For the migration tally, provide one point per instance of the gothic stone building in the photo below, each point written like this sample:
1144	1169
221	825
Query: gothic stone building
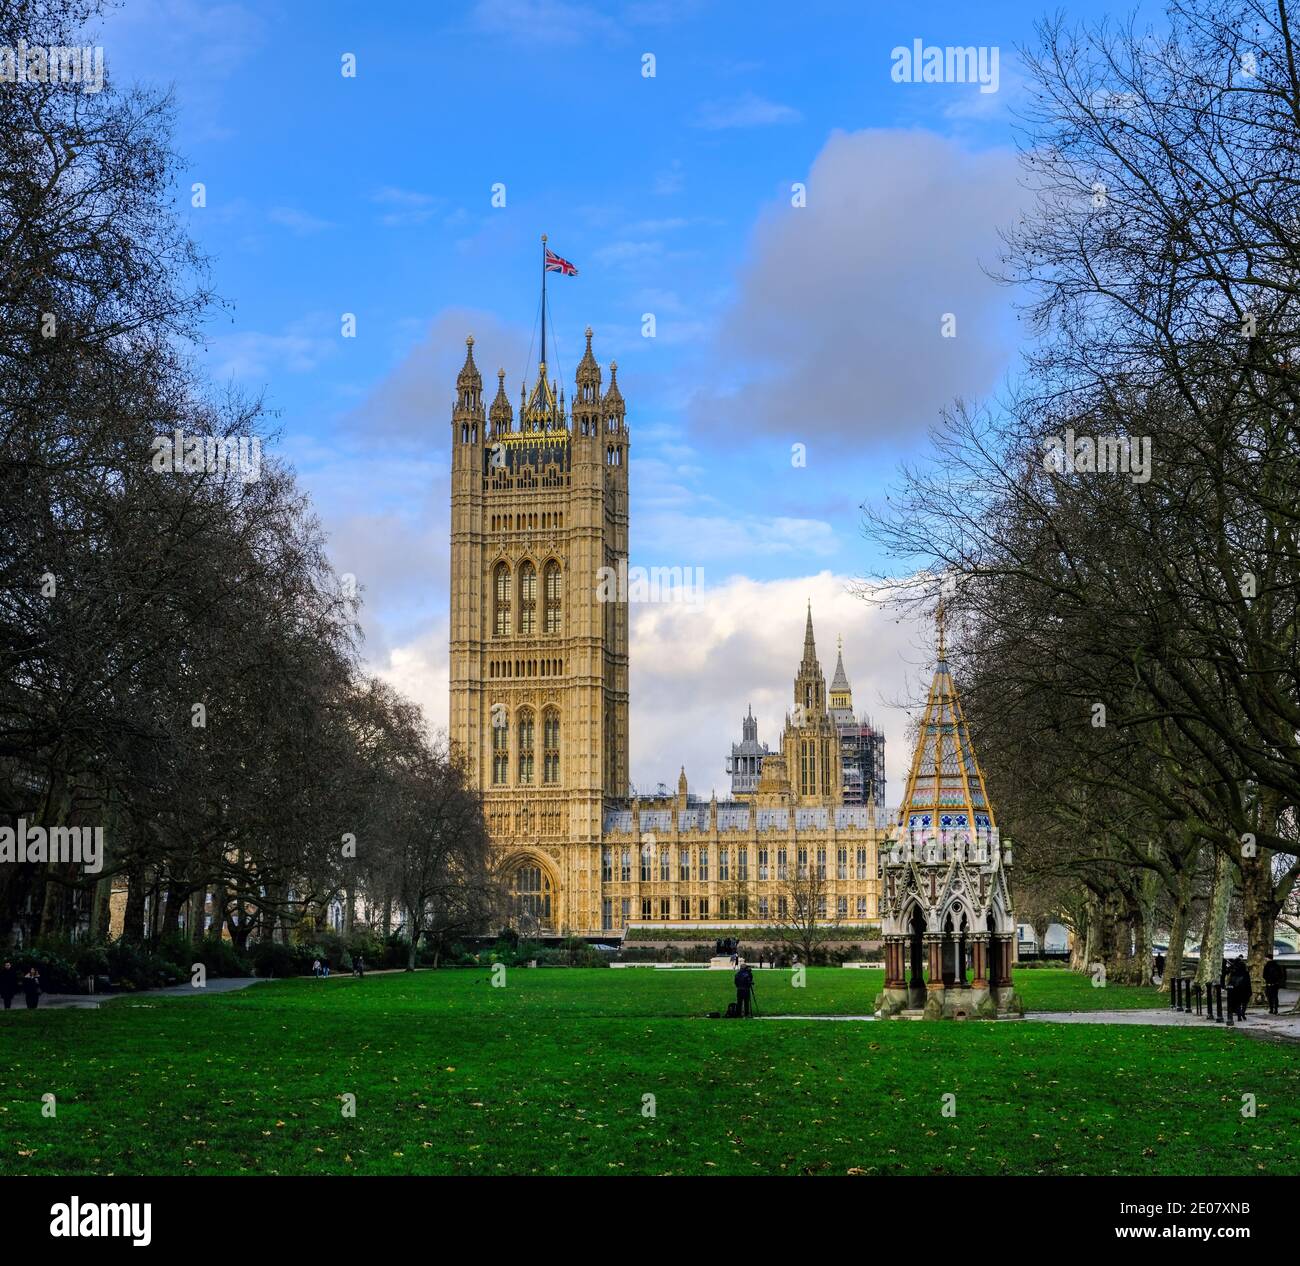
947	919
539	694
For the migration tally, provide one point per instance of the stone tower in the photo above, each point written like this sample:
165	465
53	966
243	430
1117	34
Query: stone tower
746	760
810	743
538	662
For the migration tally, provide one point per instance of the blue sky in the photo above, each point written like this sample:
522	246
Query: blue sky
775	324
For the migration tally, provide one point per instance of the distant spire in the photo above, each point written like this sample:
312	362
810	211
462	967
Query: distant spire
501	414
809	645
840	682
939	620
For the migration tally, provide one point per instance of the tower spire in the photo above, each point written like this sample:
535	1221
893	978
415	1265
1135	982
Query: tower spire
809	645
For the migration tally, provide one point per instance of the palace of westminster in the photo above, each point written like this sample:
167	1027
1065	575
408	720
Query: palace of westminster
539	698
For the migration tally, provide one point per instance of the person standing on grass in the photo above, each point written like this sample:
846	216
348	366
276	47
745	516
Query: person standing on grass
8	984
1274	977
359	965
32	988
315	968
744	981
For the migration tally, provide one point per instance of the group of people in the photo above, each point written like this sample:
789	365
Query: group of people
11	983
1236	977
322	968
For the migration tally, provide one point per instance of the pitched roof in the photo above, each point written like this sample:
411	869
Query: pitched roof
946	786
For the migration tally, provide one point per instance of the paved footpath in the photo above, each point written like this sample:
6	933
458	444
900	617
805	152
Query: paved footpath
89	1001
1258	1023
218	984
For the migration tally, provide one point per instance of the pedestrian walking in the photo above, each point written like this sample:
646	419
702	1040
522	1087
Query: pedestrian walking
8	984
1274	979
1239	987
32	988
315	968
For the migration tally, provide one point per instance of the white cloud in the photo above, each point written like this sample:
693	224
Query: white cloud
253	357
696	668
542	21
420	671
300	222
747	110
406	206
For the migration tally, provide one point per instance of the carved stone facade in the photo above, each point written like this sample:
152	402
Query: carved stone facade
539	694
946	906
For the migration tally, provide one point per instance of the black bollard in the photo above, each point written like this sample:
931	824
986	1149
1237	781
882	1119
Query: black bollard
1196	996
1173	993
1218	993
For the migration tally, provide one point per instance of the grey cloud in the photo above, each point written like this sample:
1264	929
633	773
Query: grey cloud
835	327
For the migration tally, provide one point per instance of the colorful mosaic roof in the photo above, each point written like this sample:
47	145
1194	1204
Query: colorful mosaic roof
946	786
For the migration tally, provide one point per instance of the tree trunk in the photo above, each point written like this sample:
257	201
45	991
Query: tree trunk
1259	913
1178	928
170	923
101	910
219	903
133	917
1216	919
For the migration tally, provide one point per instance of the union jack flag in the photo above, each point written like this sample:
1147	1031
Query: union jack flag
554	264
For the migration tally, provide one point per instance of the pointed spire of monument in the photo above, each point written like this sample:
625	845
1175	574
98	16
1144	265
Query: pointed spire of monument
945	789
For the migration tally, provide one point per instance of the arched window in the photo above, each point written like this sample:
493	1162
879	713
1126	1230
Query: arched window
501	600
551	747
552	586
531	891
525	747
527	600
500	752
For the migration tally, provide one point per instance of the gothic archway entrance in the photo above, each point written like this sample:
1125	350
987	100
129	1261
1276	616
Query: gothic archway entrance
531	897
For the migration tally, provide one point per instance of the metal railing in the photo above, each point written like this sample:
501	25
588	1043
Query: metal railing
1191	998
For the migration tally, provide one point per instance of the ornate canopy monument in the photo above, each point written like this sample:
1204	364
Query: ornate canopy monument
945	904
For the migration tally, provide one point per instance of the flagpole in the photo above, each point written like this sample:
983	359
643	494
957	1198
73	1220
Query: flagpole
542	369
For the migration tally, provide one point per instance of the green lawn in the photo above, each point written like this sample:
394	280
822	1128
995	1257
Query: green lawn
550	1075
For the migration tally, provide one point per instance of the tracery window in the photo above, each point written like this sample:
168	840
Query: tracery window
527	600
551	748
501	600
526	737
500	754
551	585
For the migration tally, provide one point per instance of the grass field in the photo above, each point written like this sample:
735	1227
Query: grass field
550	1075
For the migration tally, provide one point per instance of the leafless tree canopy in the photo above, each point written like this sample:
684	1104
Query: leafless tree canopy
180	660
1127	624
